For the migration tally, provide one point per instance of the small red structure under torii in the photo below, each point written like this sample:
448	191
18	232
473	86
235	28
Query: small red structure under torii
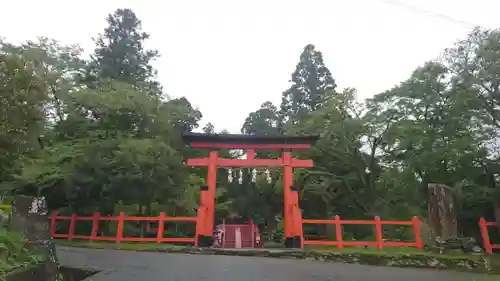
249	143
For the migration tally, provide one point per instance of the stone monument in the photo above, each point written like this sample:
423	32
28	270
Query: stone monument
30	217
442	211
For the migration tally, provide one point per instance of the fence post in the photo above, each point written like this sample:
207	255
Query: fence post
72	224
378	233
161	227
485	235
418	234
119	227
53	218
95	225
338	233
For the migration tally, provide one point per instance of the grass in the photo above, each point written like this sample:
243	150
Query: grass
486	278
495	264
398	251
391	251
144	246
14	252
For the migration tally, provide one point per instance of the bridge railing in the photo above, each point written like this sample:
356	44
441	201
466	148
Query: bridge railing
483	226
378	223
119	236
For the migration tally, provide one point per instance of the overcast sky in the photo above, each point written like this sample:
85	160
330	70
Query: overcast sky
240	53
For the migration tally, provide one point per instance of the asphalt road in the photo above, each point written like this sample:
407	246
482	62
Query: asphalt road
137	266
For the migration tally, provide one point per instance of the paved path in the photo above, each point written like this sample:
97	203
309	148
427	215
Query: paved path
137	266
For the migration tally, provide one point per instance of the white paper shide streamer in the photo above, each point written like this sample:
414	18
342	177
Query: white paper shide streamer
230	175
240	179
268	176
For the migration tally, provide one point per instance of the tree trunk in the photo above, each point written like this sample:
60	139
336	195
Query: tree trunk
105	210
176	225
496	211
142	224
330	229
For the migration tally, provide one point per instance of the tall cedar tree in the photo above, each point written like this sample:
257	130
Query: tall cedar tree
120	52
312	82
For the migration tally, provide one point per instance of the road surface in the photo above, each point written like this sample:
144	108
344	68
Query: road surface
142	266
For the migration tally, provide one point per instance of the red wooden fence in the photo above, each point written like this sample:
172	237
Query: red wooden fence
379	244
483	226
161	219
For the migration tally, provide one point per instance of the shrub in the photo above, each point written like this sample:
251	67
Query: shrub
15	252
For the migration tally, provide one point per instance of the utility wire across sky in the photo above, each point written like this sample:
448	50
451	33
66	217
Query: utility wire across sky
430	13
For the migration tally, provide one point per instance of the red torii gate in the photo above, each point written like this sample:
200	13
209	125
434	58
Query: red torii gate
249	143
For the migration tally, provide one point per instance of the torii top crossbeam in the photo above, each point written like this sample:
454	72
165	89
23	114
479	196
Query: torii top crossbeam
250	143
238	141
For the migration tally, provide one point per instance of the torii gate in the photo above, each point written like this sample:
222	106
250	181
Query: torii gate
249	143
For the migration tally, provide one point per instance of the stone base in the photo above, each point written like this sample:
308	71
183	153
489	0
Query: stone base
204	241
293	242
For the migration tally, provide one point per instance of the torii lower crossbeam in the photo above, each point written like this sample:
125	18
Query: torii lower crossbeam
250	163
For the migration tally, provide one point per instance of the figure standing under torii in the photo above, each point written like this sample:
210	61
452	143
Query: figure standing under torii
249	143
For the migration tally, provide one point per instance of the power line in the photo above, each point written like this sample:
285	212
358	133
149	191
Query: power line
430	13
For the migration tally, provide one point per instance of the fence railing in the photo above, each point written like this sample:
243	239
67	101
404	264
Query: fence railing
379	243
121	219
483	226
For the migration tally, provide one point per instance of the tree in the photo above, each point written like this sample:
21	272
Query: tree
61	67
339	179
311	83
109	143
22	116
474	64
120	53
209	128
184	117
264	121
114	146
146	171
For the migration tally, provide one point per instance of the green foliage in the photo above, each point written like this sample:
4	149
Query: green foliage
22	97
264	121
14	252
96	135
6	208
182	115
60	66
104	140
438	126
